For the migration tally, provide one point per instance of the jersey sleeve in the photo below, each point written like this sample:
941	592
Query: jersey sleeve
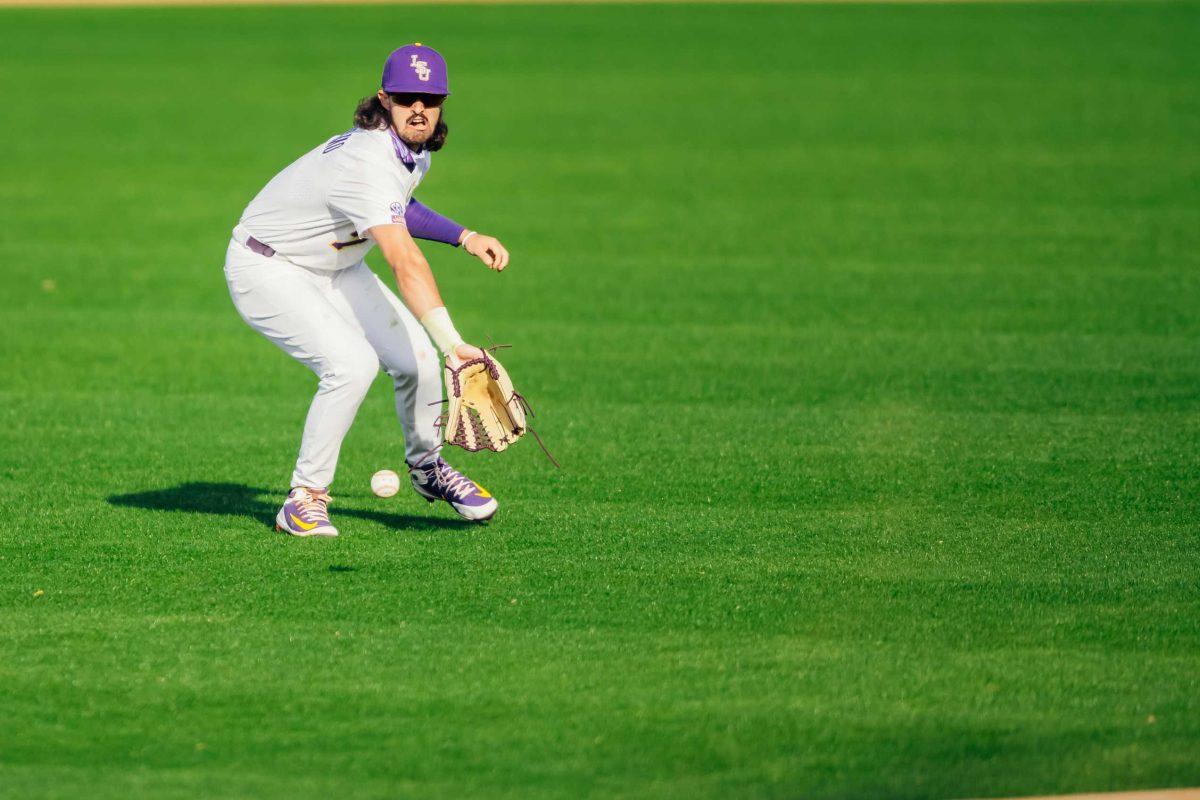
368	193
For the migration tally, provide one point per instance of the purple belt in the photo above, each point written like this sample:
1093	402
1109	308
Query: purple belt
259	247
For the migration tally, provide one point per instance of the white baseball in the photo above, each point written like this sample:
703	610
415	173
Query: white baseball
385	483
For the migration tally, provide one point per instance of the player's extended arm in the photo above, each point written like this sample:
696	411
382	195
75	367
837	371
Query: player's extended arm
414	278
425	223
419	290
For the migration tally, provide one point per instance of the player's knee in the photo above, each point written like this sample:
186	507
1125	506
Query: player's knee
355	370
363	368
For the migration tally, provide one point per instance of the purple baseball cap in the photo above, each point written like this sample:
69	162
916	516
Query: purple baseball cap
416	68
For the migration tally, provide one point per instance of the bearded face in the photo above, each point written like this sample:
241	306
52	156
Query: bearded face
414	116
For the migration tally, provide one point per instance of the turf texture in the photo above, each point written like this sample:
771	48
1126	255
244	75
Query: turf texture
867	336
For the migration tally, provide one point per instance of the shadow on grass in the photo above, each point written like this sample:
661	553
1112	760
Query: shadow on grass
237	499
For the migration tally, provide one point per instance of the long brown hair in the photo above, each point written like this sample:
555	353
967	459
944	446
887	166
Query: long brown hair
372	116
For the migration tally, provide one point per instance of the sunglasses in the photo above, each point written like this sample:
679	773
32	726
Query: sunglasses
409	99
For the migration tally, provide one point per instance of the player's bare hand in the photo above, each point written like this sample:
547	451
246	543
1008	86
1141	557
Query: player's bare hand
488	250
463	353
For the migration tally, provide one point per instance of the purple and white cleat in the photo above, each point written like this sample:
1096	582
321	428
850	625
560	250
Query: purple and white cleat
437	480
305	513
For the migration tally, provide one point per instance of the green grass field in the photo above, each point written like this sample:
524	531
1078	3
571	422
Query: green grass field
868	337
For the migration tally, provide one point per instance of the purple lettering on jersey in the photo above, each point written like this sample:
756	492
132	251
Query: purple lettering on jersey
336	142
356	239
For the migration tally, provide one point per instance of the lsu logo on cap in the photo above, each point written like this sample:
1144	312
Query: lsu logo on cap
420	67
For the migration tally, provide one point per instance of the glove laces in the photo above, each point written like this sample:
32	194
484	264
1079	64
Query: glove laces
517	398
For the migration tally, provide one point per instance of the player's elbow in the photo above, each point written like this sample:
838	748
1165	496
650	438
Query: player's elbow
407	267
400	251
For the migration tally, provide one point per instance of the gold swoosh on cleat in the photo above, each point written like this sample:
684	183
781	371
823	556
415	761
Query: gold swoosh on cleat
482	491
301	524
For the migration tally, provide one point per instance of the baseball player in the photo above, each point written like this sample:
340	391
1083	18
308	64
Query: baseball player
296	272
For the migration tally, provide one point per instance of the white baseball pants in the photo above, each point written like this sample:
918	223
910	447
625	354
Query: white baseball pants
343	326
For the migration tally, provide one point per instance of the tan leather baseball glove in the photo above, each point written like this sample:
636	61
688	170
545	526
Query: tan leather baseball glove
486	412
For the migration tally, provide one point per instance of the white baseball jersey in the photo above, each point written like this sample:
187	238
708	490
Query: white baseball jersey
316	212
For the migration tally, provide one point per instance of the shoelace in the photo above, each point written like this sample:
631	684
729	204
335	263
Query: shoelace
313	506
451	480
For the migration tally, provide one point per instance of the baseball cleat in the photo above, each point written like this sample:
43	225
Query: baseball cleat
305	513
437	480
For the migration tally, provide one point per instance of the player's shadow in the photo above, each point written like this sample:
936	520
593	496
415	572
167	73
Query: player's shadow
237	499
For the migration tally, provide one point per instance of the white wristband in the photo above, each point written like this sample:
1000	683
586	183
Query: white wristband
463	243
441	330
